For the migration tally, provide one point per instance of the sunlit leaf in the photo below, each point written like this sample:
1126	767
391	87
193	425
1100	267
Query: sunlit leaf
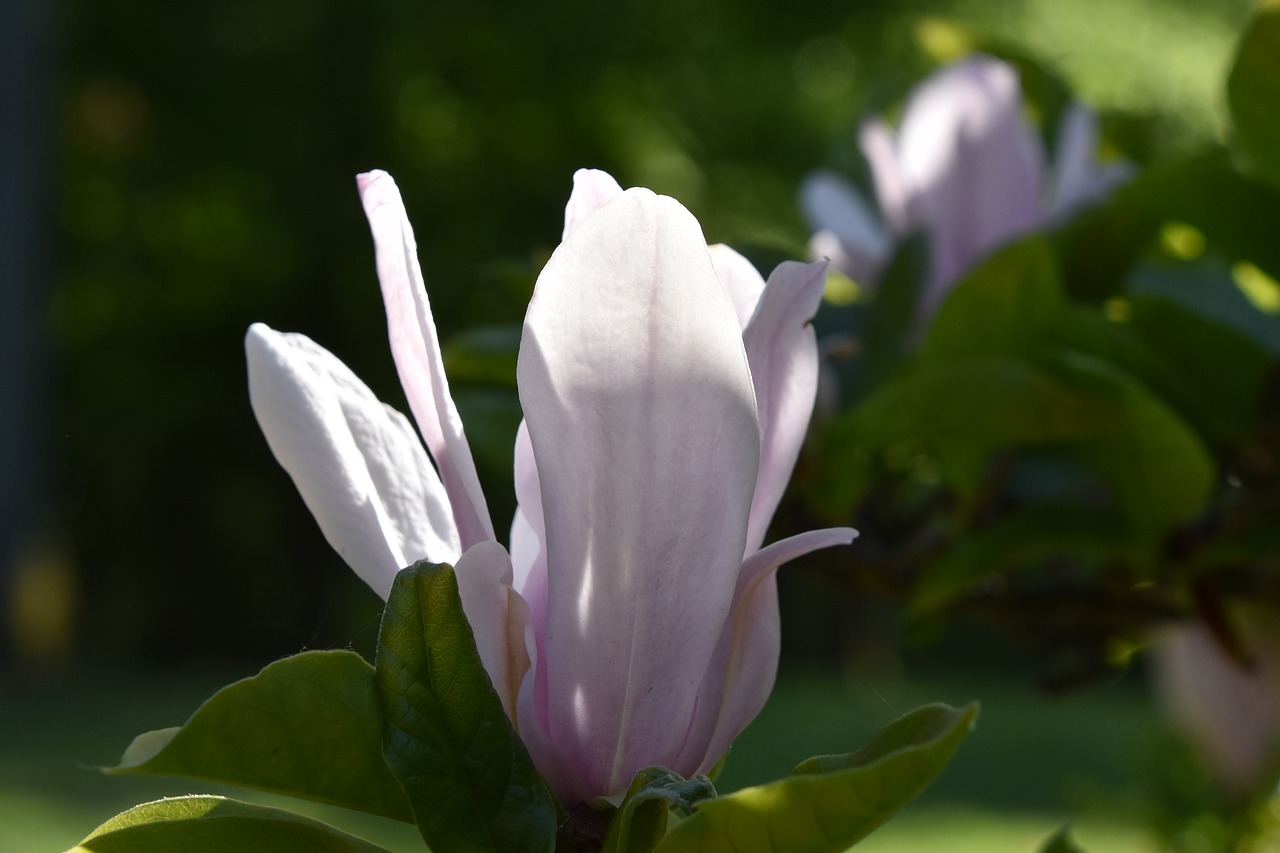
1234	213
468	778
830	802
205	824
1061	842
308	726
1253	90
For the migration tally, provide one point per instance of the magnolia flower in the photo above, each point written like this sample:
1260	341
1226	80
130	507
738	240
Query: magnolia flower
966	168
666	389
1229	713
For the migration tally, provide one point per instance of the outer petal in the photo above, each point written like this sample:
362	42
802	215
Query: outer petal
591	189
1079	179
742	672
836	209
499	618
641	413
359	466
740	280
783	353
416	349
973	164
893	195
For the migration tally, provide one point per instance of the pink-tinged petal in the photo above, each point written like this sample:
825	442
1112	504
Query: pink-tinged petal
745	664
893	196
972	163
1229	714
528	554
783	353
357	463
835	208
640	409
499	618
1079	179
740	280
591	189
416	349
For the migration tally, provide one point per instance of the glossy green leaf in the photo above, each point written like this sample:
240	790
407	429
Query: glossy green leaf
308	726
831	802
205	824
1020	540
1007	304
469	779
1156	466
989	402
641	821
1253	90
1213	340
1061	842
889	324
1234	213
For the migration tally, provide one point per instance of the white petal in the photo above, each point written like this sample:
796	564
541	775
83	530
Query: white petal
640	409
783	353
879	146
973	166
742	672
833	205
357	463
591	188
498	616
1079	179
740	280
416	349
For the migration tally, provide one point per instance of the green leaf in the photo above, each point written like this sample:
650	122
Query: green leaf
830	802
1155	464
1235	214
1214	341
890	320
990	402
205	824
1017	541
1253	90
307	726
1061	842
641	820
469	779
485	354
1005	305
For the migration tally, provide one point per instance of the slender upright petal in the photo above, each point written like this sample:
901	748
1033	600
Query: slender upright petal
499	618
782	350
1079	178
357	463
642	418
416	349
848	233
745	664
740	280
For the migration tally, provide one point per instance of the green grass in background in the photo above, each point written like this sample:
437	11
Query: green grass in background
1032	764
